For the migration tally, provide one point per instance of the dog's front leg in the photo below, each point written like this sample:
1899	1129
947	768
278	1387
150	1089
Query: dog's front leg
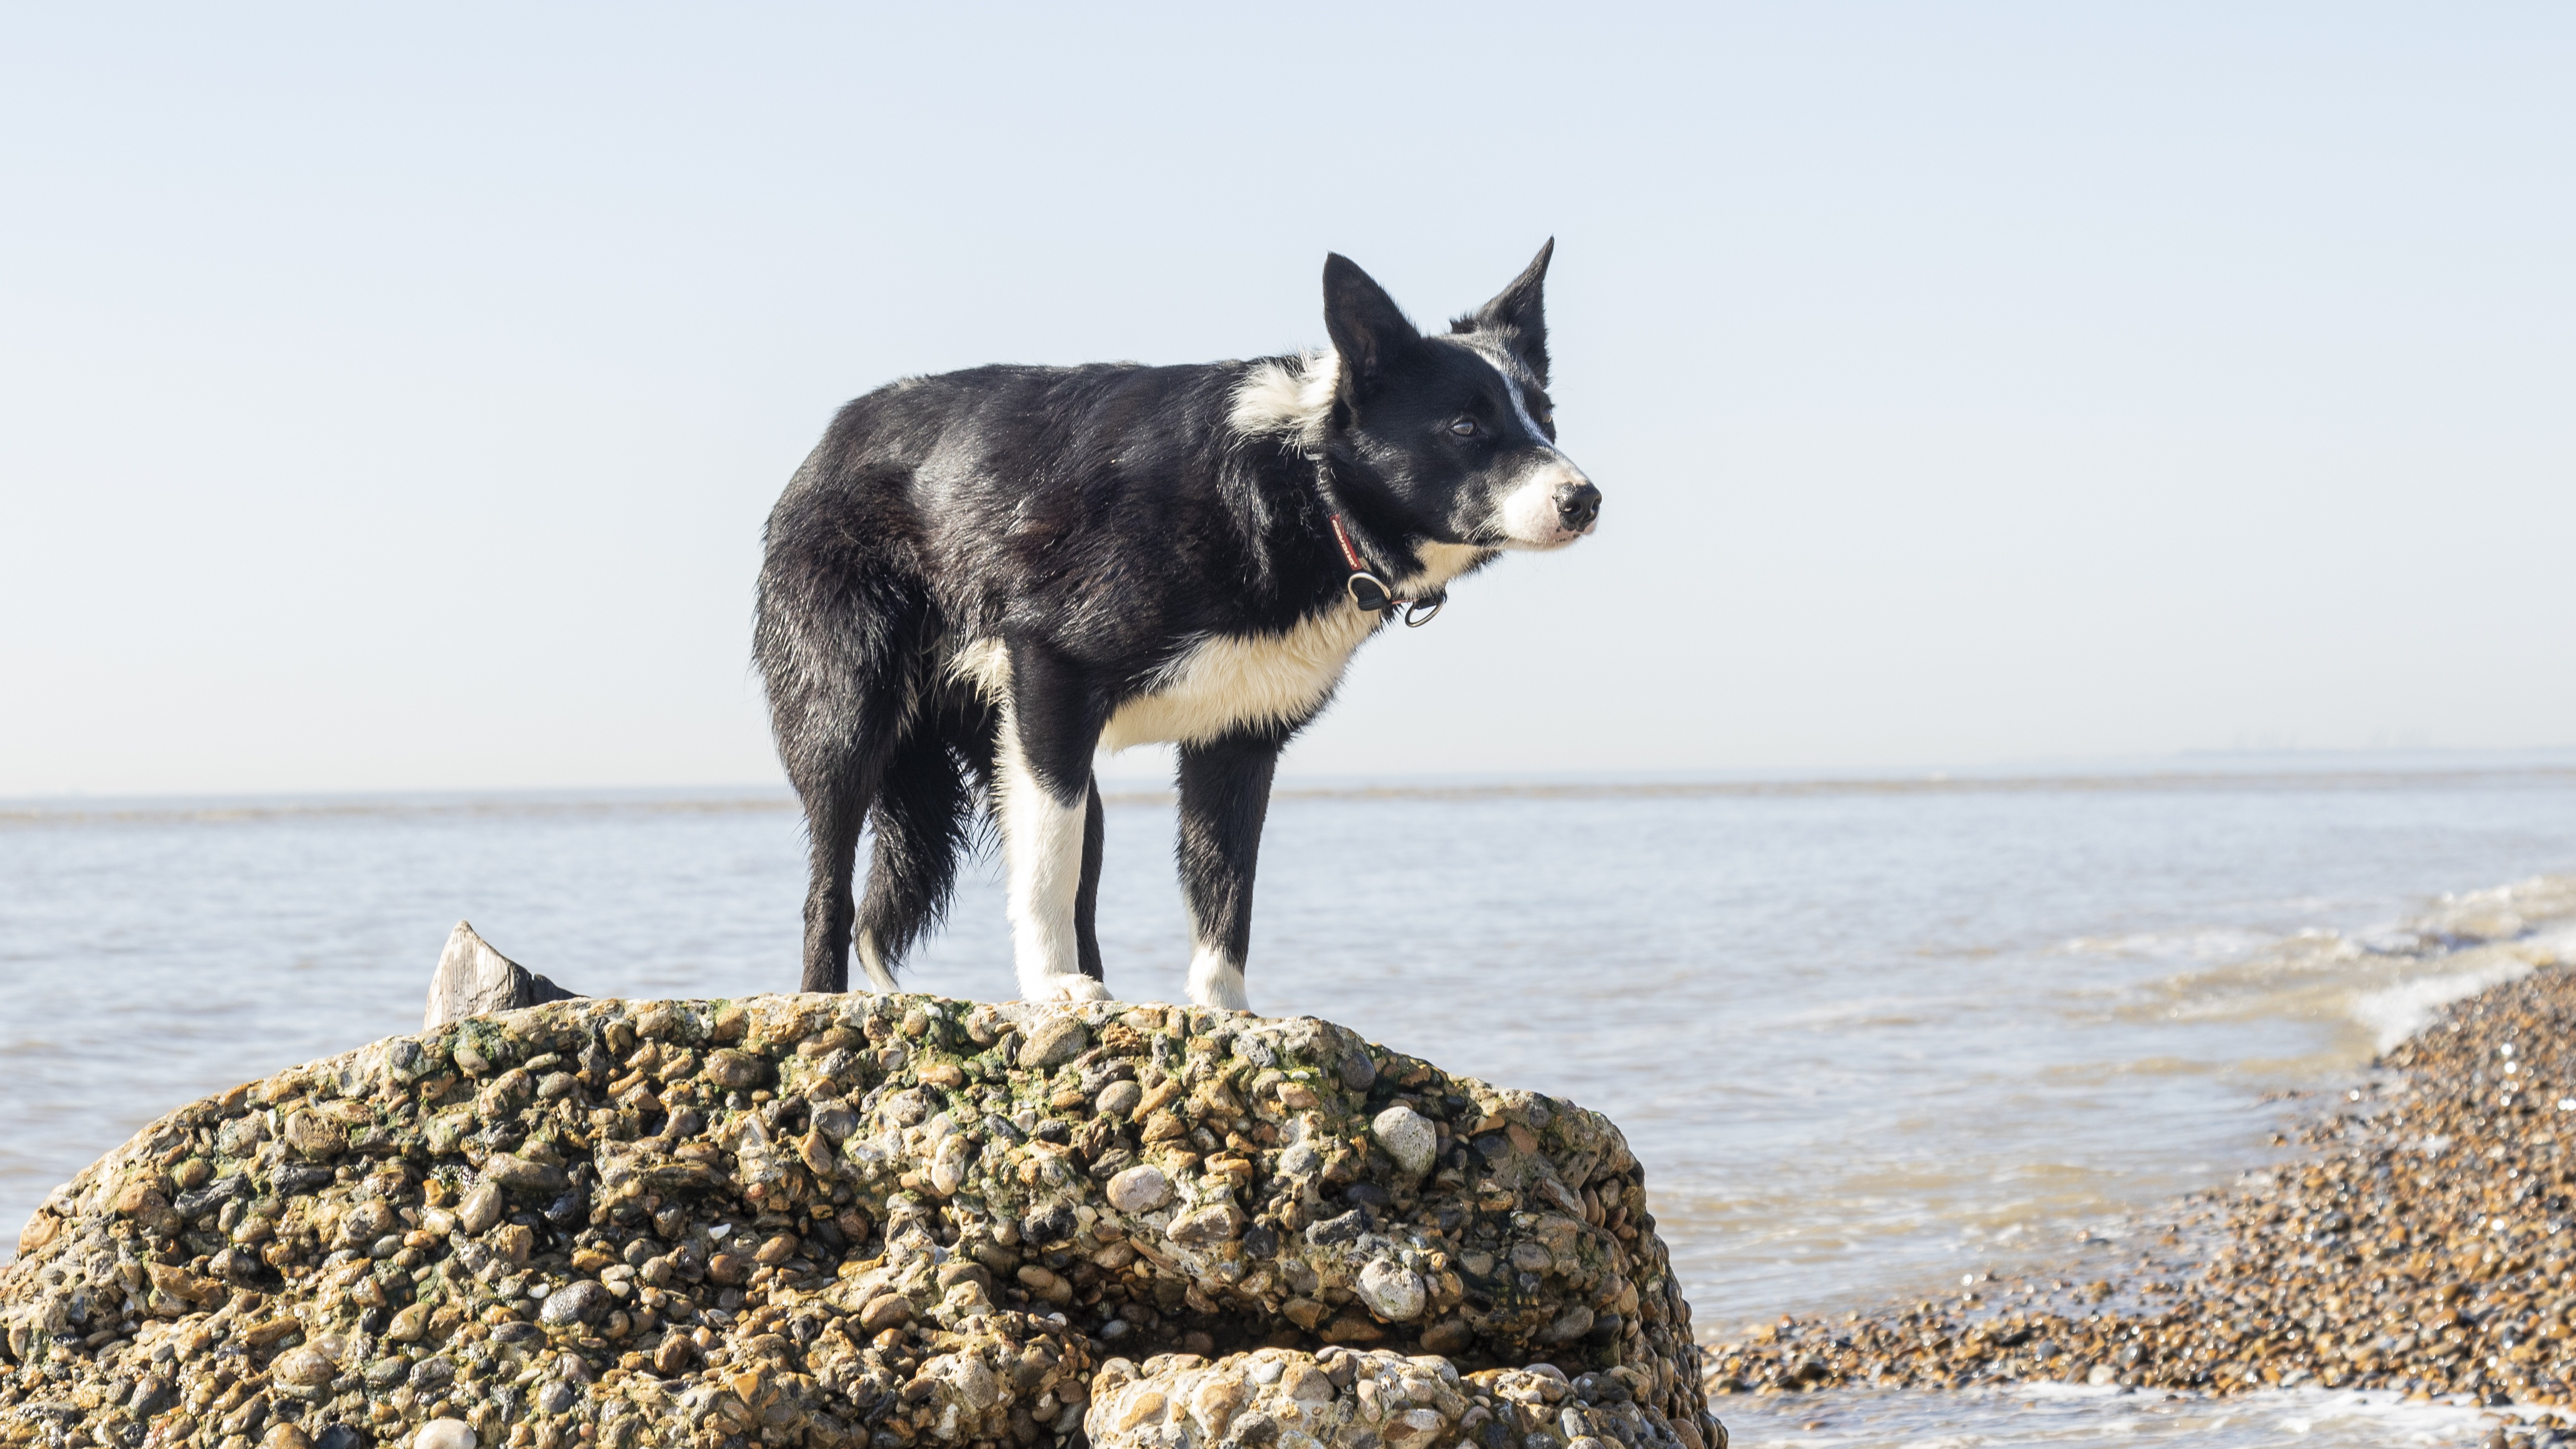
1042	784
1225	793
1086	901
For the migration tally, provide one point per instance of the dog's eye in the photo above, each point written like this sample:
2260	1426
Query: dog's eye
1464	427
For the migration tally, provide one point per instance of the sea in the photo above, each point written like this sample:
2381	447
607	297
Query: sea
1870	1035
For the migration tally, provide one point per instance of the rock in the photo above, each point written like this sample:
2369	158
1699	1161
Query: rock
480	1210
430	1376
968	1377
676	1355
889	1311
1569	1326
577	1218
408	1324
579	1302
1053	1042
444	1433
1206	1227
285	1435
473	979
1358	1068
519	1175
1139	1189
315	1136
1408	1137
1359	1400
187	1287
1051	1224
736	1071
38	1232
1392	1291
303	1368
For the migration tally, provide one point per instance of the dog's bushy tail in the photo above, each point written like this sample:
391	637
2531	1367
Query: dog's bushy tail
924	823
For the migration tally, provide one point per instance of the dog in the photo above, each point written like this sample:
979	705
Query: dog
980	579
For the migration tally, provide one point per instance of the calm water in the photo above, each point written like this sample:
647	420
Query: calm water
1866	1036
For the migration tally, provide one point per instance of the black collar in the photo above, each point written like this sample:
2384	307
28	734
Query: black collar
1370	593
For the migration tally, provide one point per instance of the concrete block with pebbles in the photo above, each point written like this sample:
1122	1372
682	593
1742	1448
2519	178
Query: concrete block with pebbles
856	1220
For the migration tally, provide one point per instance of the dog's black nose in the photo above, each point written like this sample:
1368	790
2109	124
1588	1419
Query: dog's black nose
1578	504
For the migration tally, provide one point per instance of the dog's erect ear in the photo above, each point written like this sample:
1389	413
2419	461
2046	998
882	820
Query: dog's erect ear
1368	330
1518	315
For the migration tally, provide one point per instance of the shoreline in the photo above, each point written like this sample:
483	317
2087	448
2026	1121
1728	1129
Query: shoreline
2422	1246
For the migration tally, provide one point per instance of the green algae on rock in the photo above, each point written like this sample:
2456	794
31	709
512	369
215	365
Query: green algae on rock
830	1220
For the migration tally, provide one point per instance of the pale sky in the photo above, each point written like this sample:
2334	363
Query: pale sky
392	399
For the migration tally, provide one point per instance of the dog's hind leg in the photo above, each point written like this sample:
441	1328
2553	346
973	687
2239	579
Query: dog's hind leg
1042	790
838	784
1225	795
923	812
835	642
837	797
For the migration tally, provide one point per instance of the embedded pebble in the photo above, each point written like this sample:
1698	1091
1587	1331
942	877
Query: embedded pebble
444	1434
304	1368
578	1302
1119	1099
1139	1190
1408	1137
480	1210
1054	1042
1392	1291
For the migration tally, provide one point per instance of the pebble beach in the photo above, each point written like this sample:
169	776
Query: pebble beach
2420	1245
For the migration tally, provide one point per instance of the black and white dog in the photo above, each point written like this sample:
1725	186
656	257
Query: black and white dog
980	579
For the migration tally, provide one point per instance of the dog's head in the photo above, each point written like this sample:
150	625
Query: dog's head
1456	428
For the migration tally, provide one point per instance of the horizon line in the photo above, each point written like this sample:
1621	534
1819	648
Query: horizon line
756	799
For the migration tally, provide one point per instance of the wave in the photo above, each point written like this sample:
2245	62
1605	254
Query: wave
2385	981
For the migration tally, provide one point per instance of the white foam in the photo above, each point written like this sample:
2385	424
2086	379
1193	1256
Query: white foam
2045	1414
2520	928
2397	1012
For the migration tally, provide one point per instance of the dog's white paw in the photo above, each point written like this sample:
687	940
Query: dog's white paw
1216	981
1068	988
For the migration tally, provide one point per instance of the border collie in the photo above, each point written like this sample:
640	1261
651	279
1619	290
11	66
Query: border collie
980	579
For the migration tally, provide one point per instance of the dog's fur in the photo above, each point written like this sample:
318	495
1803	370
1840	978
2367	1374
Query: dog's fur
979	579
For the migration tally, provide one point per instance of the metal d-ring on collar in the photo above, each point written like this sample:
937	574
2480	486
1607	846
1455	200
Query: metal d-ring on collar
1370	592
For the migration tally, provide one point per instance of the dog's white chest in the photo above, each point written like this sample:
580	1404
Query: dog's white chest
1226	681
